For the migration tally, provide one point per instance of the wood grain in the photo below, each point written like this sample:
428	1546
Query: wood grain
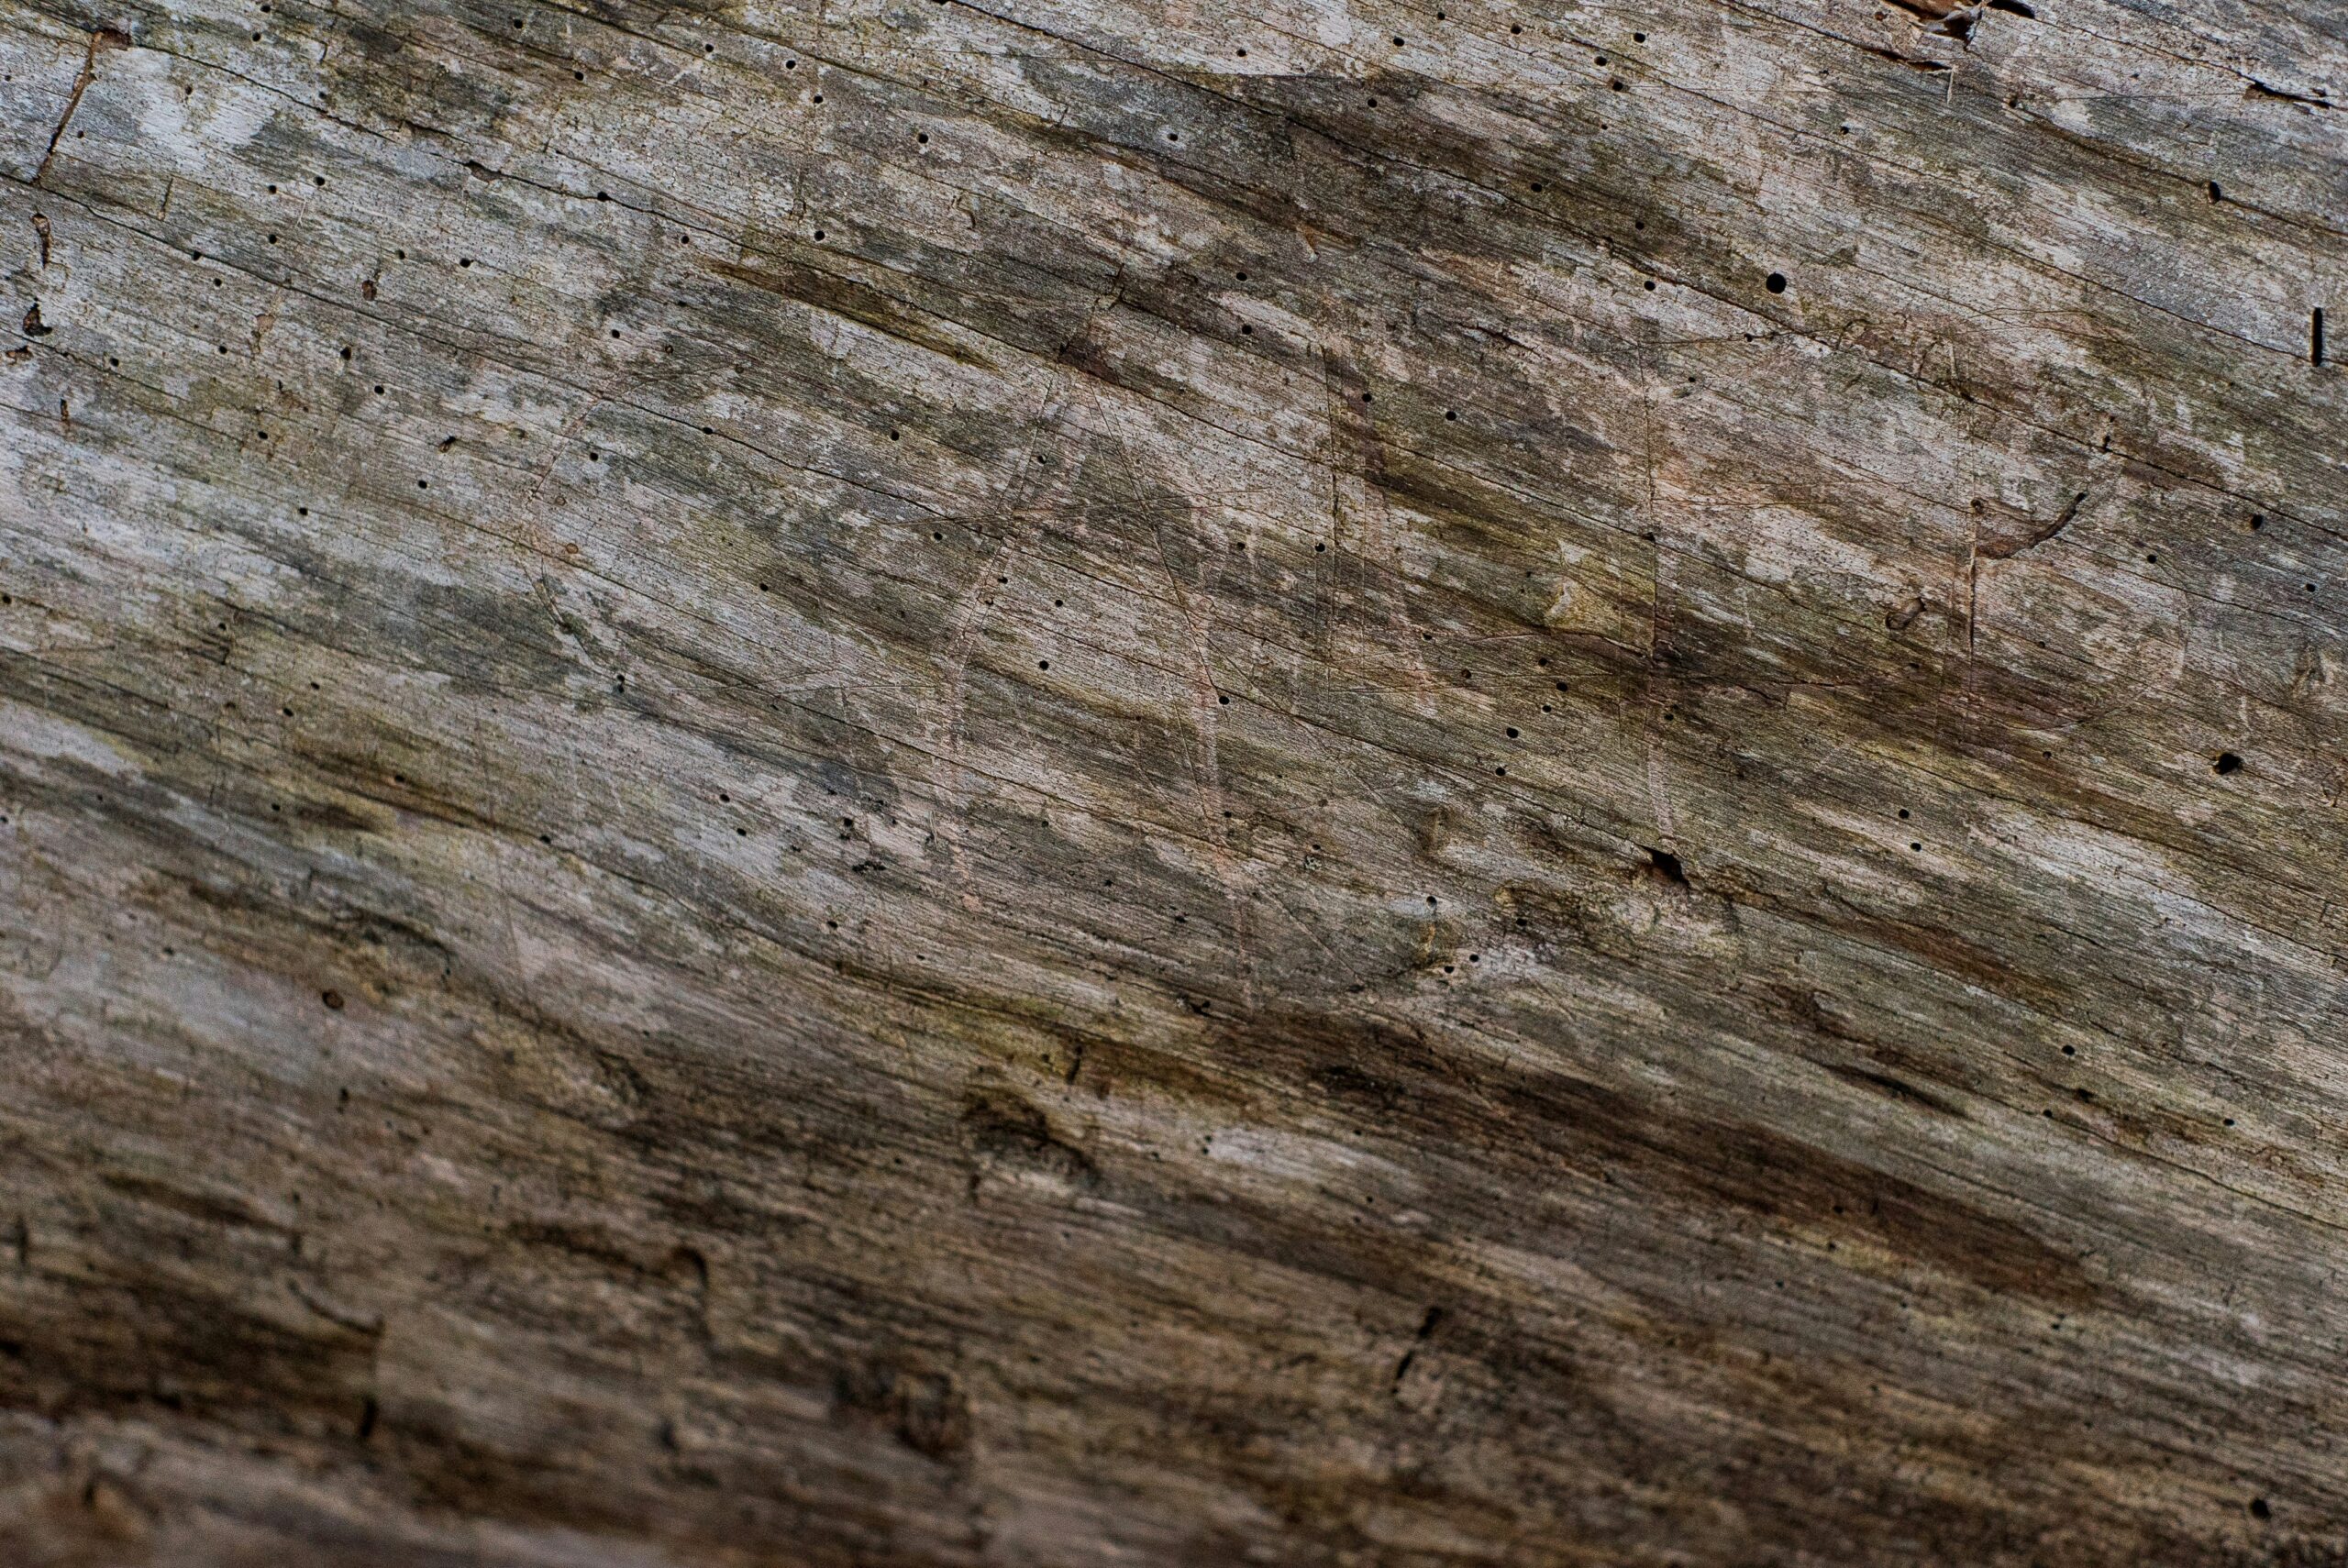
889	783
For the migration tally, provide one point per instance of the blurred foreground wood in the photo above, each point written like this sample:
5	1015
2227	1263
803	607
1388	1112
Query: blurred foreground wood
884	783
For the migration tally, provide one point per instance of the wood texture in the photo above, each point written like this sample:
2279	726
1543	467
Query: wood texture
889	783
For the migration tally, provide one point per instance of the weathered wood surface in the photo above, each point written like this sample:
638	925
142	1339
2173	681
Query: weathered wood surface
889	783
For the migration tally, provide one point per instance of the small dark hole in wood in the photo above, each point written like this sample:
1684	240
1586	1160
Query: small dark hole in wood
2227	763
1775	282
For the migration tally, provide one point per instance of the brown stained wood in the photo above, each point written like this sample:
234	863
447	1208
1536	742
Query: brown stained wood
916	784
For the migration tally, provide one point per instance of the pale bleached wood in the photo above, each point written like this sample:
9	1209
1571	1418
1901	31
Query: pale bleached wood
907	784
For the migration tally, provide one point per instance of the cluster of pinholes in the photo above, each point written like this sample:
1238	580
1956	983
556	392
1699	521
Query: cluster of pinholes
1661	864
1774	283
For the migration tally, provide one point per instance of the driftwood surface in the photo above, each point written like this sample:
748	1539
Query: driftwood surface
900	783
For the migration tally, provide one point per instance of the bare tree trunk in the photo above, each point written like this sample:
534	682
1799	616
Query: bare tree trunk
899	784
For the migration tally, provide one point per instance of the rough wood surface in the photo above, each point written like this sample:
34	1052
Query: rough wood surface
891	783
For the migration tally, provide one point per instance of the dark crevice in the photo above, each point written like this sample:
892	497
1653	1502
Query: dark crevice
2258	89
